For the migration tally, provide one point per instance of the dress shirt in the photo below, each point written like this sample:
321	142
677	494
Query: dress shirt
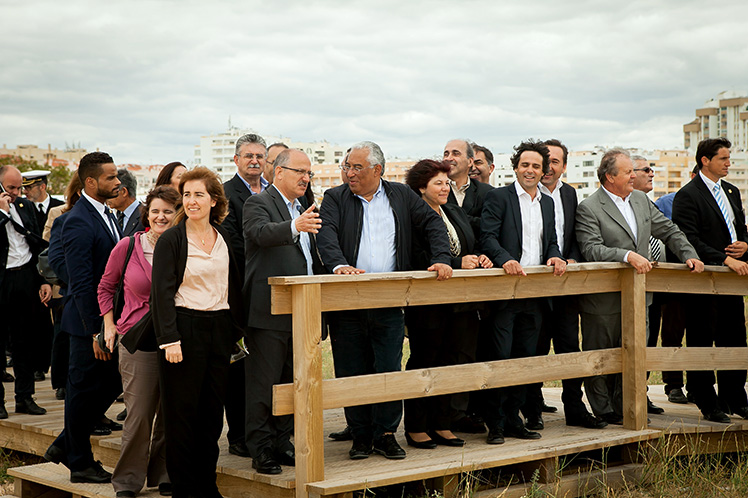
103	211
532	227
306	245
44	204
710	185
376	250
459	192
558	210
624	206
263	184
19	252
129	210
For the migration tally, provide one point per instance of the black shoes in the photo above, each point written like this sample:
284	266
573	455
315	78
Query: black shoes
548	408
239	449
29	406
39	376
60	393
125	494
111	424
266	464
676	396
164	489
94	474
742	412
423	445
54	454
3	412
454	442
121	415
654	409
535	423
588	421
344	435
7	377
101	430
287	457
495	436
469	424
521	433
387	447
361	449
612	418
716	415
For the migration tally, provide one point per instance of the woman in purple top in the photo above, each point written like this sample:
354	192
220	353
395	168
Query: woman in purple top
142	457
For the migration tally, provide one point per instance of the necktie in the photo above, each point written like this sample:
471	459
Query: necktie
725	214
121	221
112	223
654	247
41	209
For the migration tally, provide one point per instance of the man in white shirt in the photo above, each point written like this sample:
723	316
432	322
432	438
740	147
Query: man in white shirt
517	230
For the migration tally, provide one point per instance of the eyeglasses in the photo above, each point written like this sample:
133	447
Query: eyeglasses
356	169
302	172
647	170
249	157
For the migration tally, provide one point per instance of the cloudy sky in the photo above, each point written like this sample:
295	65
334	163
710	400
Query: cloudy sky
144	80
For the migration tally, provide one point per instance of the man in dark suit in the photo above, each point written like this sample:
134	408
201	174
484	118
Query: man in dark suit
250	154
483	164
89	234
517	230
710	213
129	209
561	320
615	224
21	287
279	230
466	193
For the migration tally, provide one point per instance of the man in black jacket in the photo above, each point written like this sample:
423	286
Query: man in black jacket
367	226
466	193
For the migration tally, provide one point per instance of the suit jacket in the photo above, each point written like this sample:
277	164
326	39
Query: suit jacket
696	213
86	244
26	212
473	203
501	227
569	202
135	223
237	194
271	251
604	235
461	224
41	218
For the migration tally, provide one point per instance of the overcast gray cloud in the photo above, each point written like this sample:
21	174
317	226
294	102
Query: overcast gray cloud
144	80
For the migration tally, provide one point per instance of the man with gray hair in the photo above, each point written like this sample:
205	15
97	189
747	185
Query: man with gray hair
465	192
129	209
367	227
614	224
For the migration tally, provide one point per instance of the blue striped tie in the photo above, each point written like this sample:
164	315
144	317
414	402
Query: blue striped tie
725	215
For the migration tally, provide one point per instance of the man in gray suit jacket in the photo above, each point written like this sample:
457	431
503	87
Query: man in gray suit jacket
614	224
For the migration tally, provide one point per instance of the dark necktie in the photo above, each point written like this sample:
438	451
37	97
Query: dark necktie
112	223
41	209
121	221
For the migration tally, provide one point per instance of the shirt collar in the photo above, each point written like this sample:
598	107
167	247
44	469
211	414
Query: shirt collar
44	203
99	207
286	201
521	191
131	208
547	191
379	192
709	183
263	183
616	198
461	189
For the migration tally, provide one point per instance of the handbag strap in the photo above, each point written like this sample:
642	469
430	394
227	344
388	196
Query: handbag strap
130	247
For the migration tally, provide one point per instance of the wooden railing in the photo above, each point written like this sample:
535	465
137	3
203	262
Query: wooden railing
306	297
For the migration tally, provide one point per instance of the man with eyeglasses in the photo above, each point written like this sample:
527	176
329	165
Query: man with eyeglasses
279	230
249	156
273	152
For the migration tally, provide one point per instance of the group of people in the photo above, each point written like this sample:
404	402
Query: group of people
155	296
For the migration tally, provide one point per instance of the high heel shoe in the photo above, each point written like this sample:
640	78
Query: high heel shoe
454	441
424	445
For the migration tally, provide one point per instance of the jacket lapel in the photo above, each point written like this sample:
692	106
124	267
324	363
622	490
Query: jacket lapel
516	212
612	210
97	216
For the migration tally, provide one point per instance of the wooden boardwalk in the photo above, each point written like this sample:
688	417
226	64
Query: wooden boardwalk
440	468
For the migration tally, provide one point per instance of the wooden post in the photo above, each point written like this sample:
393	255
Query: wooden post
307	379
634	348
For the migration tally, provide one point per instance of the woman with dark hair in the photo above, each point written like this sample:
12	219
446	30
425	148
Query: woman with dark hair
438	333
142	454
171	174
197	316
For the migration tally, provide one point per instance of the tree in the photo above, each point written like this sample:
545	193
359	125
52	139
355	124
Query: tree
58	179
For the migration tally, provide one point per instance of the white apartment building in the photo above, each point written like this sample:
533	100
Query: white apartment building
726	115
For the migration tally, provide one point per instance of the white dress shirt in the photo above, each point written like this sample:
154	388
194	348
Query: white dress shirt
558	211
532	227
624	206
102	210
19	252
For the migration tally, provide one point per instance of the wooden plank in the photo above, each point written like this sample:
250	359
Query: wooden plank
633	348
236	487
307	393
717	280
347	292
659	359
391	386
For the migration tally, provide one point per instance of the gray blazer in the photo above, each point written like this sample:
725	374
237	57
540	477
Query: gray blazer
604	235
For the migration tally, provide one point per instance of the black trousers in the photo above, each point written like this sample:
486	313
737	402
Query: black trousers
60	350
235	403
438	337
560	324
20	309
516	327
673	332
92	387
716	321
192	398
270	362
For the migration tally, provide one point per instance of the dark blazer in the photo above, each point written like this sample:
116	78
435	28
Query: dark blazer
169	263
237	194
86	244
569	201
501	227
135	223
33	234
41	218
56	255
696	213
342	217
475	196
271	251
461	224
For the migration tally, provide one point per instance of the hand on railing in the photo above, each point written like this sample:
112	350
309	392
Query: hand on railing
443	272
739	267
696	265
642	264
558	264
512	267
